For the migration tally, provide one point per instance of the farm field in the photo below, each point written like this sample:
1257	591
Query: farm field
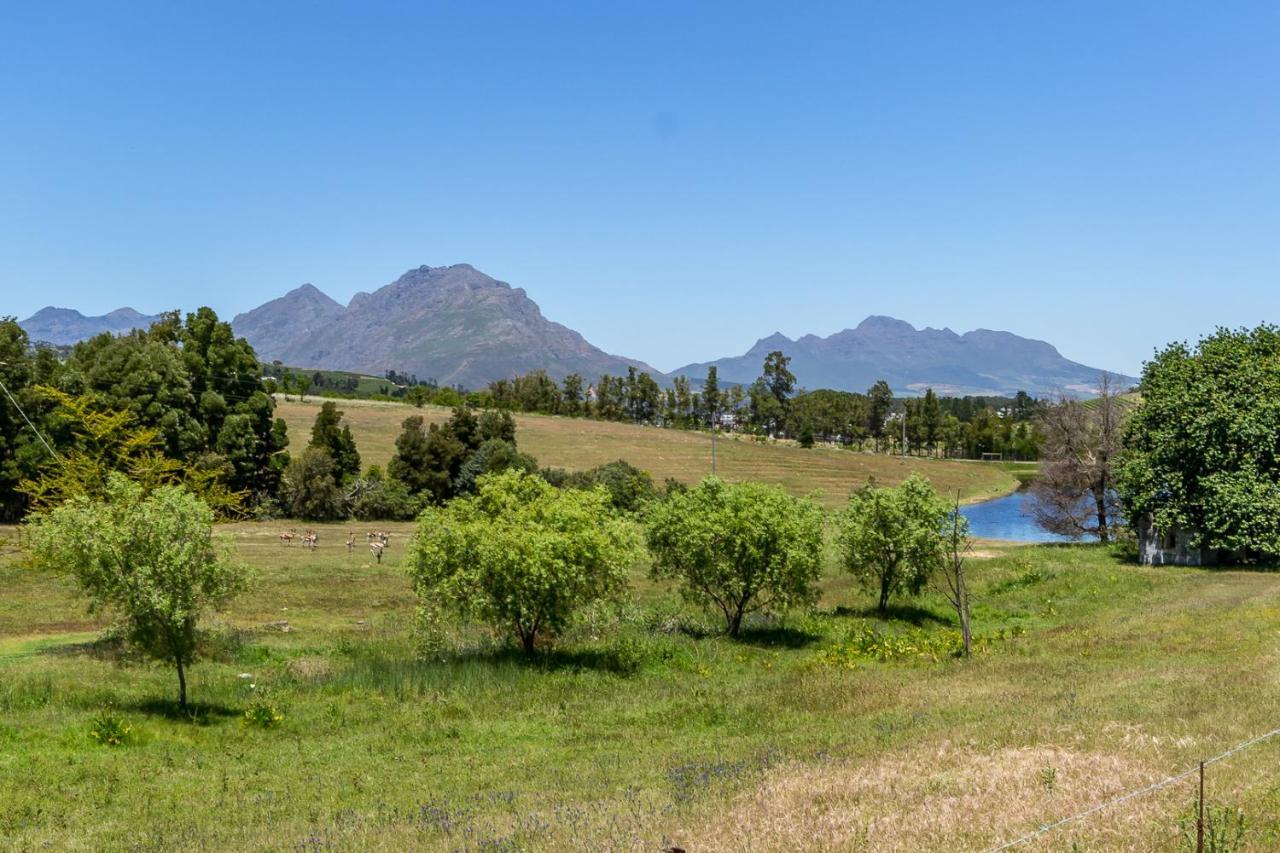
578	443
645	727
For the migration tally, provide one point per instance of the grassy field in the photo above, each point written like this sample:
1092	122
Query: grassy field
645	727
577	443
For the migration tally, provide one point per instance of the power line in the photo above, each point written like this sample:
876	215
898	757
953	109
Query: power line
39	435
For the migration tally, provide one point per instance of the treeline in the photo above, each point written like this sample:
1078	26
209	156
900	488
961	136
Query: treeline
432	465
959	427
183	401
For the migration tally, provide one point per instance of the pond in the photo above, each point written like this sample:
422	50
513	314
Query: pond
1007	518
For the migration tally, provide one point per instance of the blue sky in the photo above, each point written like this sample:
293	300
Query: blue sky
674	181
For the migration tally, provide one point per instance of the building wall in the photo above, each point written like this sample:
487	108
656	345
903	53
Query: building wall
1170	549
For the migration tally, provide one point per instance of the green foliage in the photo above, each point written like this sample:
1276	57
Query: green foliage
150	559
521	555
1225	828
629	488
333	436
494	455
310	490
1202	450
892	538
379	498
97	443
110	729
262	714
866	643
742	547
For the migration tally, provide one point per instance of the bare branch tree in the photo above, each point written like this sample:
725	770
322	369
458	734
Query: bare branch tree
954	587
1074	490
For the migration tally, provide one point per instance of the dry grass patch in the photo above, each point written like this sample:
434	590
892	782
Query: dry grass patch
953	797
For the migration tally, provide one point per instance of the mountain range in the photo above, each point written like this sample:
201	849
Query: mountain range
64	326
458	326
911	360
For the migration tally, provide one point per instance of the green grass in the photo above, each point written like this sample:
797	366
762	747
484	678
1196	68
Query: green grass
644	724
578	443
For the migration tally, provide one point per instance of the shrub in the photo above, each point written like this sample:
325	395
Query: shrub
310	490
381	499
629	488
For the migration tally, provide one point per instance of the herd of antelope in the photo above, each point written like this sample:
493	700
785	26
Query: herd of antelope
377	540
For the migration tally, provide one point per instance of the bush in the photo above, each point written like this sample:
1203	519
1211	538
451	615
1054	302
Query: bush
380	499
629	488
494	455
309	490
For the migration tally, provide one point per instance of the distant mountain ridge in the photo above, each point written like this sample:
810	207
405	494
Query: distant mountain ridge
456	325
65	326
452	324
980	362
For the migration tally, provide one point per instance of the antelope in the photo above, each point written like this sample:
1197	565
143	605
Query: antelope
376	548
378	536
288	536
310	539
351	543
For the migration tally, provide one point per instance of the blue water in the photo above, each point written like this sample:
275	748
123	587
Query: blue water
1007	518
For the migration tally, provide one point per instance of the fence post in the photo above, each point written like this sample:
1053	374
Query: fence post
1200	814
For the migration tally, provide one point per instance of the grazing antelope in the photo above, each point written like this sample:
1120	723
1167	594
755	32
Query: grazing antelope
310	539
378	536
351	543
288	536
377	548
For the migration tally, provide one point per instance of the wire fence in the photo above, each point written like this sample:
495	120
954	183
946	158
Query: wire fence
1195	775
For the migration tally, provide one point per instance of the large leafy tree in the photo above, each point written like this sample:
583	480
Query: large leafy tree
891	538
1202	449
22	454
148	558
880	402
309	489
521	555
740	547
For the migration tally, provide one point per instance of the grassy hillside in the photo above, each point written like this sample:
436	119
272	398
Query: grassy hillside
644	727
577	443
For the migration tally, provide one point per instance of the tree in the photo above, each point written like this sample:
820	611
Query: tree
891	538
331	434
151	559
956	546
778	377
1202	448
521	555
741	547
573	395
930	420
880	399
1074	489
494	455
309	490
711	397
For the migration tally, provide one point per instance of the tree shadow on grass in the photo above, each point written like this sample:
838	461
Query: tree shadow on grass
198	713
918	616
777	636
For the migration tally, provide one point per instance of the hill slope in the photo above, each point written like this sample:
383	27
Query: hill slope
65	326
911	360
579	443
452	324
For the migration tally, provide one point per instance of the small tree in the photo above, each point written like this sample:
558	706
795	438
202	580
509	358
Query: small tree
309	490
956	544
891	538
151	559
521	555
741	547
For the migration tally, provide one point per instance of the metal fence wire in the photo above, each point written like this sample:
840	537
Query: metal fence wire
1197	771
